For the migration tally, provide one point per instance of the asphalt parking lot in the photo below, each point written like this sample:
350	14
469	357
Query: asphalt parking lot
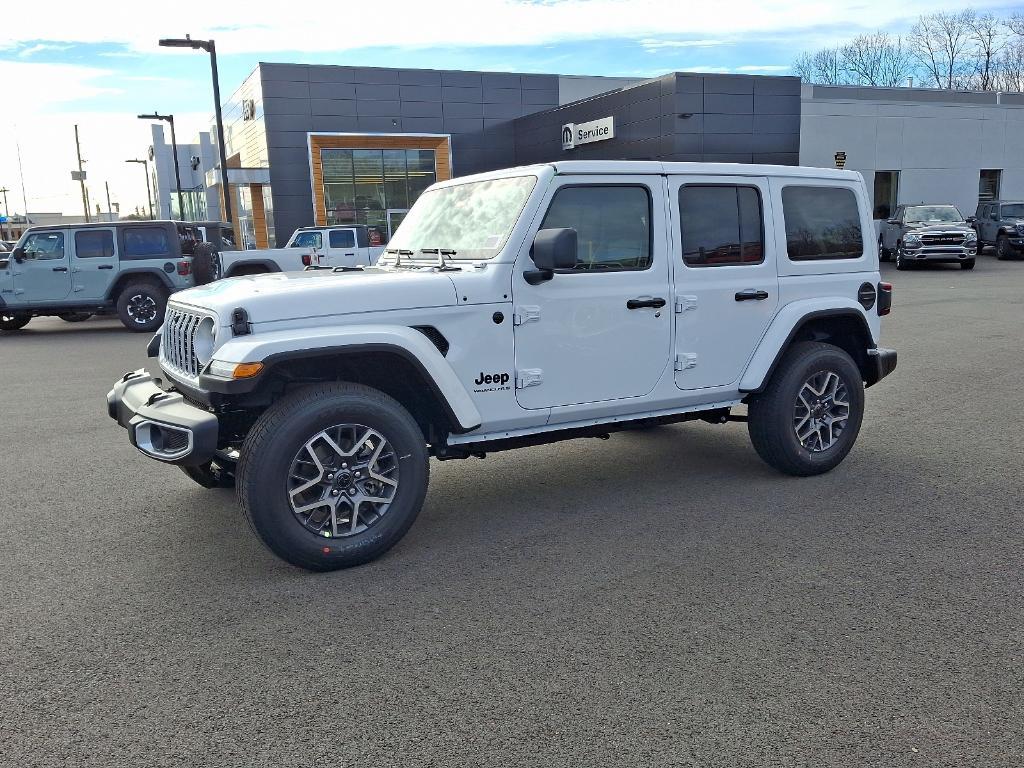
659	598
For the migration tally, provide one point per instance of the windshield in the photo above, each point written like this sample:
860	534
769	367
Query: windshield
1014	211
922	213
473	220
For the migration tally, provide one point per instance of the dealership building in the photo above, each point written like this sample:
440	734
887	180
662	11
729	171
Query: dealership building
320	144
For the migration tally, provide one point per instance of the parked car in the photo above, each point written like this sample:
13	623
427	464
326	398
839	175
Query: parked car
347	246
936	233
1001	223
75	271
519	307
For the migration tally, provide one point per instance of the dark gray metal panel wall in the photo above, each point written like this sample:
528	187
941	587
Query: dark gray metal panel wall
684	117
476	108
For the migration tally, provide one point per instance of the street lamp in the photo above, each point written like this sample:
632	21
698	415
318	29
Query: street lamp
174	151
149	196
209	47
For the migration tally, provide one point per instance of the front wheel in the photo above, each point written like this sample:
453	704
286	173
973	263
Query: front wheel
901	263
333	475
969	264
14	321
1002	247
141	306
808	417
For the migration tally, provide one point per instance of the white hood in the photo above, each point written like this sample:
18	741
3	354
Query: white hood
321	293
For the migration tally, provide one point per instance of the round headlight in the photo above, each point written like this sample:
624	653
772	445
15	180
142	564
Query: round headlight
205	340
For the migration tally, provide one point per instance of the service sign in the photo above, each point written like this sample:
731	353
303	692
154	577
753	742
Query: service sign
574	134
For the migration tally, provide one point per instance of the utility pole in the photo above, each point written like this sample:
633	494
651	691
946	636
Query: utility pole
81	175
7	215
110	213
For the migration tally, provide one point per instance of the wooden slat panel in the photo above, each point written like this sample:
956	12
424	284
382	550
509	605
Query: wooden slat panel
440	145
259	216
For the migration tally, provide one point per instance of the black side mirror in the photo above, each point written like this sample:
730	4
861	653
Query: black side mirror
19	255
552	249
893	221
971	219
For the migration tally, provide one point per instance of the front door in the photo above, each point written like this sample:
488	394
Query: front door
601	330
44	276
93	263
726	280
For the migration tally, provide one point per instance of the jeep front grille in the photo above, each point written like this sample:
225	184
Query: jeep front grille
177	344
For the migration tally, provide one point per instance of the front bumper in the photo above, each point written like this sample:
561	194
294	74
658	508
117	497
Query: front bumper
881	363
162	424
939	254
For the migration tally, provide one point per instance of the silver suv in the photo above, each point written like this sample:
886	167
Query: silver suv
73	272
935	233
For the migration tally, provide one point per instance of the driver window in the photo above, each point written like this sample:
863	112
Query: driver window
44	246
612	223
308	240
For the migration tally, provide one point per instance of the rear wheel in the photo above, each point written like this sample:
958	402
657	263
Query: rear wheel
14	321
333	475
807	419
141	306
883	254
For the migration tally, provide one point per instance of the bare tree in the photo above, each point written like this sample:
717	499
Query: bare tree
989	38
1016	24
1009	74
943	43
824	67
877	59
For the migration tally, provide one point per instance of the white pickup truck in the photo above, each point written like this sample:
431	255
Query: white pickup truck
308	246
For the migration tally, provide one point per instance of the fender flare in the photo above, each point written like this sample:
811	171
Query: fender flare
138	271
267	264
278	347
784	327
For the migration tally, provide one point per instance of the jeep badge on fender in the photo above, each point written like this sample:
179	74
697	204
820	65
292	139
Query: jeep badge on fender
326	412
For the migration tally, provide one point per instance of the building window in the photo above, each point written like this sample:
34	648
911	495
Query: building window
887	187
368	186
821	223
613	226
988	184
721	225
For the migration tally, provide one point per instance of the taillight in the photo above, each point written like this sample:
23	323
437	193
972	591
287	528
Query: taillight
307	260
884	298
184	268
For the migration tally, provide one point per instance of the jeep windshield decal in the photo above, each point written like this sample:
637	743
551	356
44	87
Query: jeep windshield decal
464	221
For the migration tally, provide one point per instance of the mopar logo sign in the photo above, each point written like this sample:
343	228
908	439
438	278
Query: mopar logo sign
574	134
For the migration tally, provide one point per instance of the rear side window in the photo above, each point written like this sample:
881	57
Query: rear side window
612	223
342	238
94	244
146	243
721	225
821	223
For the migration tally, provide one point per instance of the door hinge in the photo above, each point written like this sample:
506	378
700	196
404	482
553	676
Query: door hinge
684	303
525	314
686	360
529	377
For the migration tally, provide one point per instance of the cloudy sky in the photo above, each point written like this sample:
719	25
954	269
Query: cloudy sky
63	63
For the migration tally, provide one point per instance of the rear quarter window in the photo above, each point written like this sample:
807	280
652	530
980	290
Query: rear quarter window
147	243
821	223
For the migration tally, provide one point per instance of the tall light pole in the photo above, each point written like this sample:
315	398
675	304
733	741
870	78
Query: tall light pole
174	151
209	47
7	224
149	195
81	175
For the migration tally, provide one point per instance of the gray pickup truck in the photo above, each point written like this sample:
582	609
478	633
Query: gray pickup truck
935	233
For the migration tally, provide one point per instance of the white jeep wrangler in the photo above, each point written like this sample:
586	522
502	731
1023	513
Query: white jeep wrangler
513	308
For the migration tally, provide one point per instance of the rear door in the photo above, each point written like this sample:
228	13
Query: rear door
726	280
342	250
44	277
93	262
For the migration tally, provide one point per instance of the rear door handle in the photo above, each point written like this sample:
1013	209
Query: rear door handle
644	302
60	269
105	266
751	295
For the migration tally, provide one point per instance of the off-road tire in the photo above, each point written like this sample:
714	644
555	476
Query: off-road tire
148	290
883	253
969	264
14	321
75	317
770	420
1002	247
278	435
204	267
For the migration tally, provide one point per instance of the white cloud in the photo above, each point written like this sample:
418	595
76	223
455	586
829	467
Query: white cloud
653	45
463	23
39	48
763	68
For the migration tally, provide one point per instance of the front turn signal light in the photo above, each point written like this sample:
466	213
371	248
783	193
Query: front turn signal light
235	370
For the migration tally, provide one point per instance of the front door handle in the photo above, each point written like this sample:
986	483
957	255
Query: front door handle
641	303
60	269
751	295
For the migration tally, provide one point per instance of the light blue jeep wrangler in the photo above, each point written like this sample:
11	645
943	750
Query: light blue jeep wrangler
75	271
